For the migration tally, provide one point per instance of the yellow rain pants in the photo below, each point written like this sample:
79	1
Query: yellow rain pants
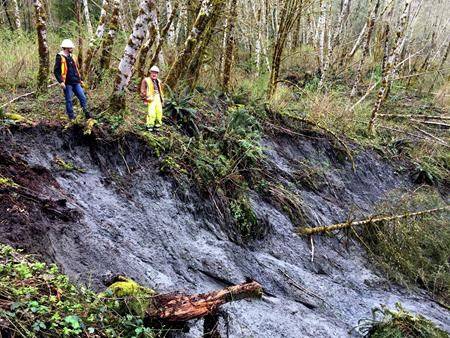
154	112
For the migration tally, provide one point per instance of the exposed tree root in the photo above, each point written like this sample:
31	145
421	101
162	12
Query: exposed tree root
371	220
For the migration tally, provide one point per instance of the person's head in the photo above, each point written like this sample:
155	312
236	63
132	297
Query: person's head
67	46
154	72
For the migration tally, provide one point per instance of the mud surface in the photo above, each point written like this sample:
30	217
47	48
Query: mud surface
115	213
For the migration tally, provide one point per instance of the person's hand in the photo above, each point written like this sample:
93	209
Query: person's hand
63	85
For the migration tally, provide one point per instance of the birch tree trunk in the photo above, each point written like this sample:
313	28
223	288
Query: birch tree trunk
125	69
108	40
229	46
370	26
150	39
178	69
44	59
171	12
87	17
321	27
16	14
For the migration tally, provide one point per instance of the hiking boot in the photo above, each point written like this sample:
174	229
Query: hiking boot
149	128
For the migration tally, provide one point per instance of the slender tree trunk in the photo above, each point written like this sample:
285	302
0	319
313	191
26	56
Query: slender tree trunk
125	69
80	34
390	68
87	17
108	40
164	33
178	69
94	43
289	14
44	59
8	17
370	26
16	14
229	45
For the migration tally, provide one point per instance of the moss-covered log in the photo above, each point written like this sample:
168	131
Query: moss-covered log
371	220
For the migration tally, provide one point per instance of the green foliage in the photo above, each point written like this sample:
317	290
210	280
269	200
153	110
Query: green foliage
413	251
398	323
180	109
244	216
6	182
67	166
36	300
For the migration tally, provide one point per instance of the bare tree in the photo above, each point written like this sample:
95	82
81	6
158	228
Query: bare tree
125	69
44	59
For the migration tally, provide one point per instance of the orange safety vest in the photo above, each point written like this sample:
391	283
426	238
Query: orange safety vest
64	66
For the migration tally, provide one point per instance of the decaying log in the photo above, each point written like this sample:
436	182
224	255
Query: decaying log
372	220
176	307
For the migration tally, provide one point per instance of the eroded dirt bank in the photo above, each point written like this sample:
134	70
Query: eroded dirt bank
117	213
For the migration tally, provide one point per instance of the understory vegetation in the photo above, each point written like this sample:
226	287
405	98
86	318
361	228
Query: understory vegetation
413	251
36	300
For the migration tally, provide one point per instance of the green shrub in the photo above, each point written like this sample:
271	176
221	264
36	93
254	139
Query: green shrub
38	301
386	323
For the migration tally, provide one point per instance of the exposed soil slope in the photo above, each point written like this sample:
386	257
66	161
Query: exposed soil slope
117	213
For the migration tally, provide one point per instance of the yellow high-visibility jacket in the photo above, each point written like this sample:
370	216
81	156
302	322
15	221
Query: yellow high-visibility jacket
148	90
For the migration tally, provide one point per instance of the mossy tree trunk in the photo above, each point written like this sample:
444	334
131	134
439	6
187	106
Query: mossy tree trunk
288	17
125	69
178	70
79	12
44	59
193	70
229	45
108	39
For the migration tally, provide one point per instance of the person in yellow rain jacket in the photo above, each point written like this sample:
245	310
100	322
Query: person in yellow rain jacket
152	94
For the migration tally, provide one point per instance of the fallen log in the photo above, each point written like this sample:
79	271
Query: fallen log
412	116
372	220
176	307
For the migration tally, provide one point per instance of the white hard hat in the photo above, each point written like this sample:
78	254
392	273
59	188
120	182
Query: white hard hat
154	69
67	43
